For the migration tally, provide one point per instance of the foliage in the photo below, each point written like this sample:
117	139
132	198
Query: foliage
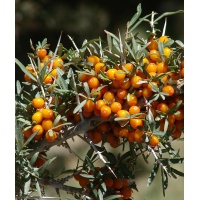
124	93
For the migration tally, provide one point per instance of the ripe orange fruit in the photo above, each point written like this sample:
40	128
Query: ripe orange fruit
93	82
47	113
100	103
38	102
154	140
138	135
111	73
97	136
154	55
58	62
50	136
47	79
93	59
41	53
162	67
47	124
168	89
163	107
128	67
109	97
27	133
179	115
115	107
135	80
99	67
167	51
135	123
153	44
131	100
105	111
122	93
119	75
89	106
151	67
163	39
37	117
36	128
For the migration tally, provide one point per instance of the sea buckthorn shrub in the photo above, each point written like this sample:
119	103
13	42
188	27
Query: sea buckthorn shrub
126	94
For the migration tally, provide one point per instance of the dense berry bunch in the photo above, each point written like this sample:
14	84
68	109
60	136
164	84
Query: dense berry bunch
128	92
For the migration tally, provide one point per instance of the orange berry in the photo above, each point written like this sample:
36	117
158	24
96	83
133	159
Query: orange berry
111	73
163	107
57	129
109	97
162	67
99	67
147	93
47	113
138	135
89	106
93	82
50	136
130	136
131	100
179	124
47	79
167	51
179	115
105	111
47	60
135	80
58	62
97	137
151	67
37	117
41	53
36	128
38	102
27	133
154	55
87	114
122	93
39	162
54	73
128	67
47	124
134	110
135	123
153	44
93	59
123	132
163	39
100	103
115	107
104	127
119	75
125	84
153	141
83	181
182	72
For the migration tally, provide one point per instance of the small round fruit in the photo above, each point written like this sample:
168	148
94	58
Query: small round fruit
135	123
167	51
38	128
41	53
93	59
89	106
58	62
115	107
27	133
47	124
154	141
93	82
168	89
105	111
47	113
163	39
111	73
154	55
37	117
50	136
126	192
38	102
153	44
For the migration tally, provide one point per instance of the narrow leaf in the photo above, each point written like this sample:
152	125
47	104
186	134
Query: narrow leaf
153	174
23	68
27	186
45	165
79	106
38	189
34	158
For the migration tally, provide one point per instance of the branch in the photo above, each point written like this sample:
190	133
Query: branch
69	132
